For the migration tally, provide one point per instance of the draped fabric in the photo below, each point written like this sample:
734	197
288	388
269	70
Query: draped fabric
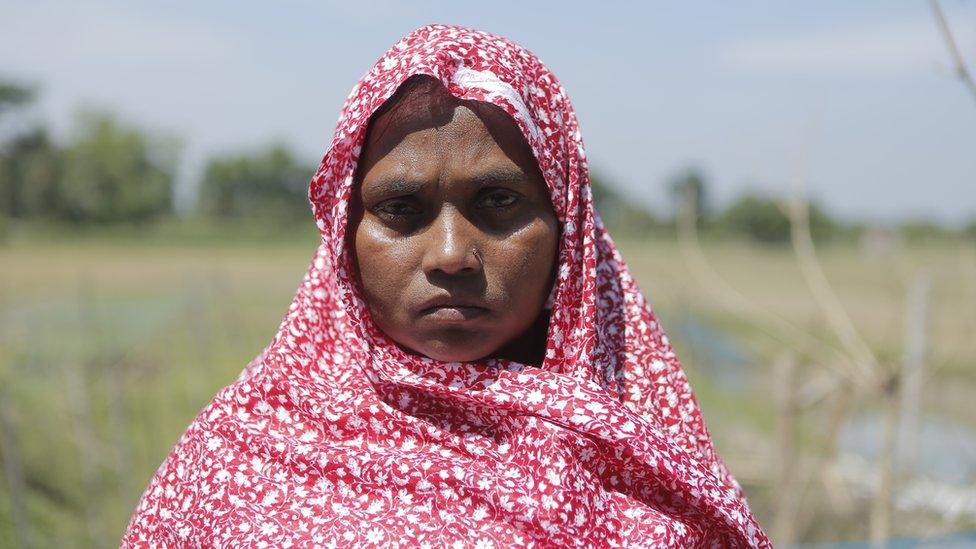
335	436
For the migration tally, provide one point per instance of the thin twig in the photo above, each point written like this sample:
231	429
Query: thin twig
913	368
824	294
959	64
883	508
771	324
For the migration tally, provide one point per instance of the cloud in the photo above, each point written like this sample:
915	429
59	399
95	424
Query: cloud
888	48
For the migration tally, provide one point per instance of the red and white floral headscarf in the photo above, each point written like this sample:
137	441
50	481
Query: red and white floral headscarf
335	436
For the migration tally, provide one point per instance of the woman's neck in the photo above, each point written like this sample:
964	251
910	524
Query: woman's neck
530	347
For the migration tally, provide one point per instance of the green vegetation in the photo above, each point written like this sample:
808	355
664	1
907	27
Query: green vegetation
765	220
112	173
108	172
120	320
618	212
690	187
111	343
265	185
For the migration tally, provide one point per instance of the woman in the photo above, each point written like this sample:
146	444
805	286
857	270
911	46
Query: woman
467	360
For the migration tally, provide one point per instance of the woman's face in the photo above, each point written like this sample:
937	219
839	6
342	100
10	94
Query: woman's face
454	234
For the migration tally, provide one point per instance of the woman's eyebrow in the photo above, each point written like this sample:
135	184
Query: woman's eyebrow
498	175
393	186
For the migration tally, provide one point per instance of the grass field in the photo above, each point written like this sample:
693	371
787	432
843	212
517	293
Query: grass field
110	344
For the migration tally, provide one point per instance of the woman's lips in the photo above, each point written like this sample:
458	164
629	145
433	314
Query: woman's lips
453	313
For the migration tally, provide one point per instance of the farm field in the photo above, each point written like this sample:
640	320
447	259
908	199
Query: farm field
110	346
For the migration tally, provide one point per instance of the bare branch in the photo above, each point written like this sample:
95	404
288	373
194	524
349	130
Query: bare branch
824	294
773	325
959	64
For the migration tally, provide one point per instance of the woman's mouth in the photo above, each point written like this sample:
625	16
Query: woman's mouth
445	308
453	313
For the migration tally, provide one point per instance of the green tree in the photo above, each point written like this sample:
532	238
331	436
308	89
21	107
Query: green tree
269	184
765	220
970	229
14	95
29	161
691	185
114	172
618	212
30	172
918	230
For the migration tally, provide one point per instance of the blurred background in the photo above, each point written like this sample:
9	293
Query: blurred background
794	187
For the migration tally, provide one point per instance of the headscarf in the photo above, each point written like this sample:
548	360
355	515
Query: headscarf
336	436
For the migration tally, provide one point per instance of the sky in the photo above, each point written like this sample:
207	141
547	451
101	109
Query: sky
854	104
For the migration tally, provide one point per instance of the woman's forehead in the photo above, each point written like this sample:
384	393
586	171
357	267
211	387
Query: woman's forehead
428	119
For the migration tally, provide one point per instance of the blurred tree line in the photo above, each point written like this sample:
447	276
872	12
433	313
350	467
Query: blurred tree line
753	215
106	172
110	172
264	185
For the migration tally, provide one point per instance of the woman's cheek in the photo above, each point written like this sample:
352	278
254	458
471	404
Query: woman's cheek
535	248
377	248
384	269
527	260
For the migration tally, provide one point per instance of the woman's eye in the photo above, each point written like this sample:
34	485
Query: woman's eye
498	199
397	208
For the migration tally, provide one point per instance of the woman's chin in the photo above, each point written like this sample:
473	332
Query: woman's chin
454	351
458	342
452	355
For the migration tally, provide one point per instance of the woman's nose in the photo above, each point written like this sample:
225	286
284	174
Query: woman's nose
452	245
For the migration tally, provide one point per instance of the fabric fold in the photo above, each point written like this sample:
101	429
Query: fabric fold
336	436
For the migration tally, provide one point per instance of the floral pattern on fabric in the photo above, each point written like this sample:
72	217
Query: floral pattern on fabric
337	437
